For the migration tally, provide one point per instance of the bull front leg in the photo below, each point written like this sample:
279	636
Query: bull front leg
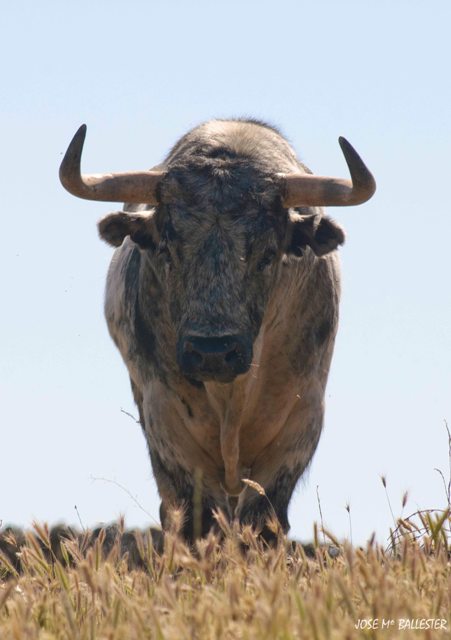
262	510
180	490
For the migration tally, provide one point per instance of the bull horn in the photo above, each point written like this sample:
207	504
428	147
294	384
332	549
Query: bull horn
300	189
132	186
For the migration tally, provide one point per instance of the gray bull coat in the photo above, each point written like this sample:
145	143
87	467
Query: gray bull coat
266	423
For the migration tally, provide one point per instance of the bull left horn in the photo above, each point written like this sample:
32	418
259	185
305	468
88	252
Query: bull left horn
132	186
302	189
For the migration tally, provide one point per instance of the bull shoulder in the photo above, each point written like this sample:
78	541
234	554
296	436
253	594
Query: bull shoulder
130	322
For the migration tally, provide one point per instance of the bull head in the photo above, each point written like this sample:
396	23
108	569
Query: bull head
219	262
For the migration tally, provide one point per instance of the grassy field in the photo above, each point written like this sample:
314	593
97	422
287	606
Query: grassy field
116	585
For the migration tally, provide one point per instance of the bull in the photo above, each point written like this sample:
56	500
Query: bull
222	297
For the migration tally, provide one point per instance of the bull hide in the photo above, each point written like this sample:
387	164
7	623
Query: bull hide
222	298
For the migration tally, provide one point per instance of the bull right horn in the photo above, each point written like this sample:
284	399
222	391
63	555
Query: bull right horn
303	189
133	186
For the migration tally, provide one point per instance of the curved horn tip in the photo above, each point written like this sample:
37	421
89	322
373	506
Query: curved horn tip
80	134
345	144
350	153
75	148
357	167
72	158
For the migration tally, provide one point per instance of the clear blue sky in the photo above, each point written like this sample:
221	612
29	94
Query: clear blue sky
140	74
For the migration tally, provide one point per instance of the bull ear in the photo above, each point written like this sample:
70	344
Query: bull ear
114	227
320	233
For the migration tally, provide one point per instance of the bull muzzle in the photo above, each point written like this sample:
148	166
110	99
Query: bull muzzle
219	358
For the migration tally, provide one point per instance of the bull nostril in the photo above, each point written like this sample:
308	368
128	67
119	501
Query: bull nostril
233	357
193	358
214	357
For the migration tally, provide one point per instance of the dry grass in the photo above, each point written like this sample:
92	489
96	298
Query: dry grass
118	585
103	588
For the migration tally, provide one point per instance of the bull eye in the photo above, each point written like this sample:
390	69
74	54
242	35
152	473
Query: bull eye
267	259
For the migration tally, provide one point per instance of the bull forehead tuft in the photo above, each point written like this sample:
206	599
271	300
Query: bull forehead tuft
224	182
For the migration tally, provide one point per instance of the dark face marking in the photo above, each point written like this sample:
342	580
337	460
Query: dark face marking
221	235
